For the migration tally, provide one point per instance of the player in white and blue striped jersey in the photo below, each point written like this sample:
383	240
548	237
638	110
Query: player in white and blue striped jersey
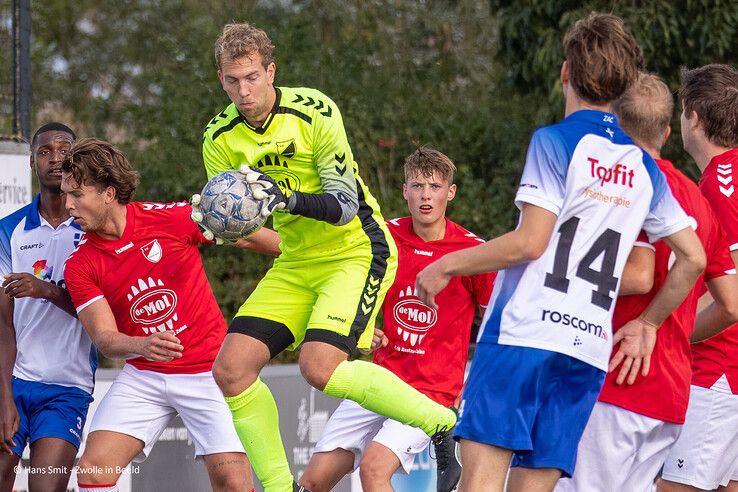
47	361
585	194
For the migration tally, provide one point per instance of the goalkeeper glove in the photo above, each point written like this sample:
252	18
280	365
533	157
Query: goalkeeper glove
197	217
264	189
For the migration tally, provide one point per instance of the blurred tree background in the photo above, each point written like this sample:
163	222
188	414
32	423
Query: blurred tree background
472	78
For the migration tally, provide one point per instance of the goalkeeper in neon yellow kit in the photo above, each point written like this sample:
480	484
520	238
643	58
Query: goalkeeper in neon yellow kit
338	258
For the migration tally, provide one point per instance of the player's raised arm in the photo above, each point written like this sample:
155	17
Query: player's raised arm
526	243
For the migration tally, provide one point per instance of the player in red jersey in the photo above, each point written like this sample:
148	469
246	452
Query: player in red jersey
705	454
140	290
425	347
634	426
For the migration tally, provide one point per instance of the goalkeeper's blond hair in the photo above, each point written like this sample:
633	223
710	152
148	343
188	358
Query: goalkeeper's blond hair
238	40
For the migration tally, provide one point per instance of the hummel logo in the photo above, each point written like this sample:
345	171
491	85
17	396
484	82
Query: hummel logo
123	248
680	462
725	177
724	168
423	253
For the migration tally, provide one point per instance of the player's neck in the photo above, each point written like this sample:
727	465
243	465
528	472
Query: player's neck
115	223
654	152
705	152
51	207
430	232
574	103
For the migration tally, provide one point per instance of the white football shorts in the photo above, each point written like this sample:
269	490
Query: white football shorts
706	453
141	404
620	450
353	428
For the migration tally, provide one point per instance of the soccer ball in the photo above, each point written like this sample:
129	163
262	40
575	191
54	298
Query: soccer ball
228	208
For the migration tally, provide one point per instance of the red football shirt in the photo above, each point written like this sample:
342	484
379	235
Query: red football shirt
153	279
428	347
719	355
664	393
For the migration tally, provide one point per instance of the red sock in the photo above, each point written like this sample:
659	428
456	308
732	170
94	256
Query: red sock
98	487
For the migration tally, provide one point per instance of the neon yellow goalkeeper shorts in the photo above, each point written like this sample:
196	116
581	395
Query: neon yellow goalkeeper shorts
332	299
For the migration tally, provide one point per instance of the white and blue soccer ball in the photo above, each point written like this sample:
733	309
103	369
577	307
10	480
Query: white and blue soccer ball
228	208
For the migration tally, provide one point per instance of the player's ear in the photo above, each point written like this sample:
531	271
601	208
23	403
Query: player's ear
271	71
451	192
667	133
564	76
110	194
404	191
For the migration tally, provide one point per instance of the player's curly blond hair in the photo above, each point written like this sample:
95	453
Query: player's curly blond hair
426	162
244	39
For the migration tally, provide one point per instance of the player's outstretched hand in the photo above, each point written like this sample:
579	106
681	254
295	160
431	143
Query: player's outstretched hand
161	347
637	339
9	423
19	285
379	340
264	188
197	217
430	281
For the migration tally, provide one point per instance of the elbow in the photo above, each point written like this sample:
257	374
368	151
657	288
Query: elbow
348	212
730	309
698	263
104	347
641	282
104	350
530	250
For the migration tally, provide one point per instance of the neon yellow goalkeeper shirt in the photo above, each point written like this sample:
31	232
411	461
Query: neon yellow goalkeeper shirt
302	145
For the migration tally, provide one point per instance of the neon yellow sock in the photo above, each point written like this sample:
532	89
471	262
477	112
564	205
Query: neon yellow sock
379	390
256	420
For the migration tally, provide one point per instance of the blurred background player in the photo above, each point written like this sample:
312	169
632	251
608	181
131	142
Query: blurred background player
338	258
42	343
633	426
140	290
426	347
706	452
546	341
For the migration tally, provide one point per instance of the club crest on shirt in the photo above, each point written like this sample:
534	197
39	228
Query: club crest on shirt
152	251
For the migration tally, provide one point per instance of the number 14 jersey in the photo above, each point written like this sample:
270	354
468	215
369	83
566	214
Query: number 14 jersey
604	190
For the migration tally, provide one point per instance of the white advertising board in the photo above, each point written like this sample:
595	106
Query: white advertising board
15	177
